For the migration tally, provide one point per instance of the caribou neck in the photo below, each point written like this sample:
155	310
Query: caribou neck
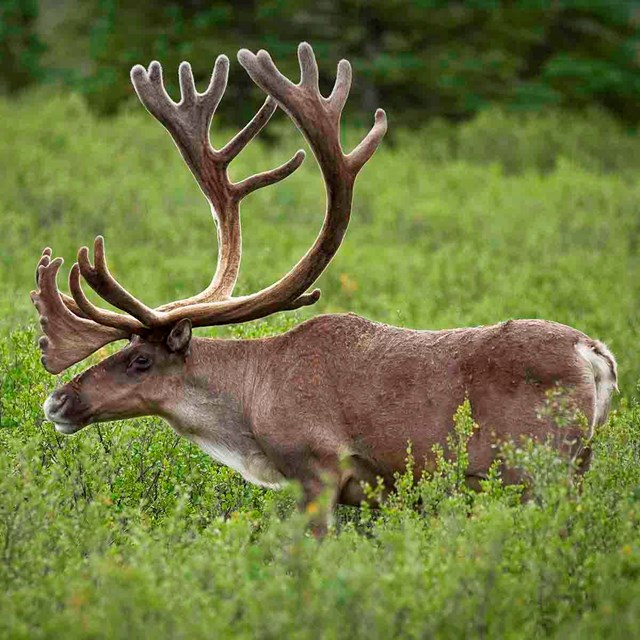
213	399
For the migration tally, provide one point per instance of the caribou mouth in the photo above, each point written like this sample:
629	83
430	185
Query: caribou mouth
54	411
67	428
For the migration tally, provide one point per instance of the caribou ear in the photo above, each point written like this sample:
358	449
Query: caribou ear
180	337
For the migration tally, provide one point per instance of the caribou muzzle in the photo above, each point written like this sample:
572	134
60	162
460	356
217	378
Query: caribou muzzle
65	409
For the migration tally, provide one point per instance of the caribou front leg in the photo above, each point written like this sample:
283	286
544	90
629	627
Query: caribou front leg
318	476
318	501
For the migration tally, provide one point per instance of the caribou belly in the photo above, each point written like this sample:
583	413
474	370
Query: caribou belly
252	465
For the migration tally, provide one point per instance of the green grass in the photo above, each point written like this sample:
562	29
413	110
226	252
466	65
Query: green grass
126	531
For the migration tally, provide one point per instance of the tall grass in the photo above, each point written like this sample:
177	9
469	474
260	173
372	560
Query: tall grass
126	531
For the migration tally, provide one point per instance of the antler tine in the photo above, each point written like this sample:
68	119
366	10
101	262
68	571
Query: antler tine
68	338
280	82
308	67
187	85
107	287
218	83
45	259
101	316
150	89
250	131
266	178
341	88
359	156
70	303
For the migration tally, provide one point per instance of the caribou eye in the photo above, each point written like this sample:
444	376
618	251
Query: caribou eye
140	362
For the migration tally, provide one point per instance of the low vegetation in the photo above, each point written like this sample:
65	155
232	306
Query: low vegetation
126	531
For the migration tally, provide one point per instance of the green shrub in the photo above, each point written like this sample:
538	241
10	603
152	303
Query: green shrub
126	531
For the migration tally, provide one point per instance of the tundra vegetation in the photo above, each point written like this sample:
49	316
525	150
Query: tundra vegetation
125	530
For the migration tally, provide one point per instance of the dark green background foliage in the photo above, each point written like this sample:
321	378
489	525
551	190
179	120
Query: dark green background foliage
420	59
125	530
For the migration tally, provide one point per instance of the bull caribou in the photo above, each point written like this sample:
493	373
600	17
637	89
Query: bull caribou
336	399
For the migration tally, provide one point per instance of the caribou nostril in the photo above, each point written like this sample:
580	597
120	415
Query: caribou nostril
58	401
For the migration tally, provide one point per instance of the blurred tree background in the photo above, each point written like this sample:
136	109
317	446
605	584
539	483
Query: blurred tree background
419	59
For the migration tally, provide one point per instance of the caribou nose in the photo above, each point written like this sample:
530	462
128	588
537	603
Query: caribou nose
54	405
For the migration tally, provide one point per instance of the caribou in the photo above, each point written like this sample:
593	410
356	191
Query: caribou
333	402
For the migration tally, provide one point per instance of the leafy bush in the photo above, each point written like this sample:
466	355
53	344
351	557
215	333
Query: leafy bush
126	531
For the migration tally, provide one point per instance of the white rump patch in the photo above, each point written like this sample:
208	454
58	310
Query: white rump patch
604	369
